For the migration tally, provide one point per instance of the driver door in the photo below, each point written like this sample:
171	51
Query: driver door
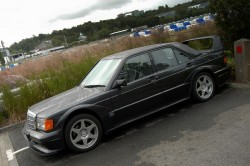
141	95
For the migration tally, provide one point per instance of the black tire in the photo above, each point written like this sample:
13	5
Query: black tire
83	133
203	87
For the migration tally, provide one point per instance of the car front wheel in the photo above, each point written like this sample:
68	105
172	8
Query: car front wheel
83	133
203	87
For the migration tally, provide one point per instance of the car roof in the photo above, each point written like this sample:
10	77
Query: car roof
127	53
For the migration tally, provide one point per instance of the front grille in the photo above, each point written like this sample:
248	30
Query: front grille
31	120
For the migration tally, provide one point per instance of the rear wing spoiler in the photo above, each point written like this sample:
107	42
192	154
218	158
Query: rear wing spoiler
216	46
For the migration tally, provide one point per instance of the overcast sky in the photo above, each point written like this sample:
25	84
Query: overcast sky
22	19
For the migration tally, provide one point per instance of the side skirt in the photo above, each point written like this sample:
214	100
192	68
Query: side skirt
154	111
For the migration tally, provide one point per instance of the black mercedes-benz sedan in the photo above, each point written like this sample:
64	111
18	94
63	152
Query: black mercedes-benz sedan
122	88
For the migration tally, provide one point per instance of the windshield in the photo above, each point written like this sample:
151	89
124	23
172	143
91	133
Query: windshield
101	74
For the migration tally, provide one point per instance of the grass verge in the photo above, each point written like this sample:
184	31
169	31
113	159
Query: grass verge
59	72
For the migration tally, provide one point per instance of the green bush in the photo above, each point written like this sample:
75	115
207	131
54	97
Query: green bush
48	84
232	17
3	117
231	62
230	59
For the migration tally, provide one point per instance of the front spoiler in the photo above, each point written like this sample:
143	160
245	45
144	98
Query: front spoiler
44	143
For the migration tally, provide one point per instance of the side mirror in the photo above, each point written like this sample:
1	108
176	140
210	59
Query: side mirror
120	83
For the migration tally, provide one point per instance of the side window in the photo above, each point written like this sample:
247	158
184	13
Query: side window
136	67
164	58
181	57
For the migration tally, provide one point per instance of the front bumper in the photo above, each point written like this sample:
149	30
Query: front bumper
42	142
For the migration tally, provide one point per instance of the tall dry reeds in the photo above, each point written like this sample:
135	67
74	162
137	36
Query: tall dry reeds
61	71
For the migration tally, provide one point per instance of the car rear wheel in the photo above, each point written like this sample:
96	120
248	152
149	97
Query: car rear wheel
203	87
83	133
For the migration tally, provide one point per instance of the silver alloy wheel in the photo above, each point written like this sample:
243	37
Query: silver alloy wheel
84	133
204	87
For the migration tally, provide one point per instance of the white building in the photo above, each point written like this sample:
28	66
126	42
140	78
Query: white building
82	37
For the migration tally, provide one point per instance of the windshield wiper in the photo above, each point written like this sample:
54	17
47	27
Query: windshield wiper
93	86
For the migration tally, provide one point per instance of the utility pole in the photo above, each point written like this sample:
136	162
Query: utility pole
2	43
4	52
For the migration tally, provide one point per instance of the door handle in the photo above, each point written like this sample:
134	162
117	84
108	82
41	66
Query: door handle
153	78
189	64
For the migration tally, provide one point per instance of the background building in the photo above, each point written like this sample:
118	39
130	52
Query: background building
132	13
82	37
199	6
44	45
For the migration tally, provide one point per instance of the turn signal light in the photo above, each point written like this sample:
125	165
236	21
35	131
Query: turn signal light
225	60
48	124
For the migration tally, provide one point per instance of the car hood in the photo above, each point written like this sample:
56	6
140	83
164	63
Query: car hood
64	100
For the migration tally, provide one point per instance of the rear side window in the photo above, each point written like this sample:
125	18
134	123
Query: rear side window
201	44
181	57
136	67
164	58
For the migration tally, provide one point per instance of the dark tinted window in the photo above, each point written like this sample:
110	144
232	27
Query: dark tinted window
181	57
164	58
136	67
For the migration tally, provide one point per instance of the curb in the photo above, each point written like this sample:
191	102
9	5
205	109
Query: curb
20	124
8	158
239	85
11	127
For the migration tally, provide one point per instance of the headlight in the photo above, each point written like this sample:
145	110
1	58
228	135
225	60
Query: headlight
44	124
31	118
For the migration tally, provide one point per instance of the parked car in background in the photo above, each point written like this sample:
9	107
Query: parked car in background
124	87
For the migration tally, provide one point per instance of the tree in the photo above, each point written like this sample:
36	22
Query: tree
102	29
103	33
181	12
161	9
232	18
2	61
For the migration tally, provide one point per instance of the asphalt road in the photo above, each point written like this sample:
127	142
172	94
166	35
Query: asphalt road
214	133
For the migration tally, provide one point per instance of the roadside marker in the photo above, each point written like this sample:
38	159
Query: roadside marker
10	154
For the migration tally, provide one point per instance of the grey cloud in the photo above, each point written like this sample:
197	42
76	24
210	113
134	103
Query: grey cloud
111	4
100	5
173	3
